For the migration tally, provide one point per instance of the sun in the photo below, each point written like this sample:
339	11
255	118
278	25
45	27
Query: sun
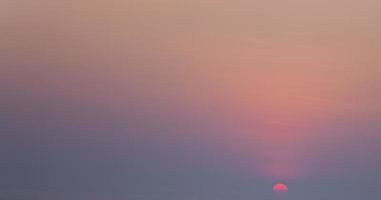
280	187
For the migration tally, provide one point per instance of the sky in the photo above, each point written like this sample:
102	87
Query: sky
190	100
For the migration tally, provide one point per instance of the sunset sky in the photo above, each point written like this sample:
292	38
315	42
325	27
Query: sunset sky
190	99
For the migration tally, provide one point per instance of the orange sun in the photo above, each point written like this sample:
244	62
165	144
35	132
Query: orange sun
280	187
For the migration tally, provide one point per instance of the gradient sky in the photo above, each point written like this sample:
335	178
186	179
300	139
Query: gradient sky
190	100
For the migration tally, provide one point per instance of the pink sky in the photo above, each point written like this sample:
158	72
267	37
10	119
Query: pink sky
274	89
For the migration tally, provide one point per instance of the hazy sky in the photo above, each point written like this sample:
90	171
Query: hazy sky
190	100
